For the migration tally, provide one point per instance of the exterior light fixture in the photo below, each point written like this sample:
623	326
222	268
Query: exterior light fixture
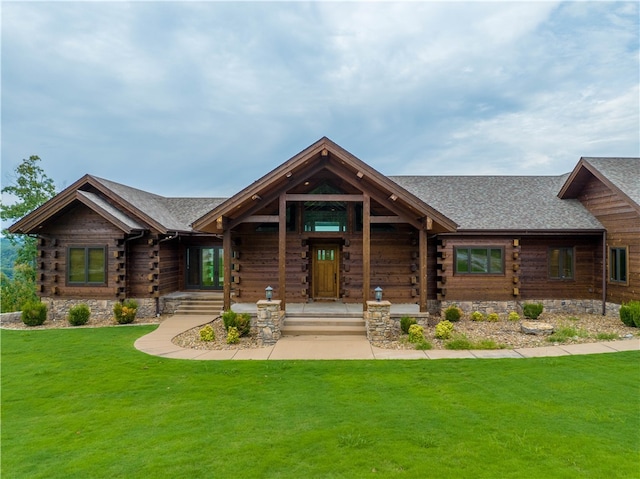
269	292
378	292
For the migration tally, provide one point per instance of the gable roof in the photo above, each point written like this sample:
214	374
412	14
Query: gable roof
129	209
324	155
621	175
493	203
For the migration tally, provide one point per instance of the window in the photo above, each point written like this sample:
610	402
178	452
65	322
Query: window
618	265
87	265
476	260
561	263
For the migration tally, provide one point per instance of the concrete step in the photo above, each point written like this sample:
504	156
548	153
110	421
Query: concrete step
323	325
200	307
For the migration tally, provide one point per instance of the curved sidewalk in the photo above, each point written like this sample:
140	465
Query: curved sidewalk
158	343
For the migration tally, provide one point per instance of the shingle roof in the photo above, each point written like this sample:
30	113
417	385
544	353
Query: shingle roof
624	173
501	202
174	214
112	210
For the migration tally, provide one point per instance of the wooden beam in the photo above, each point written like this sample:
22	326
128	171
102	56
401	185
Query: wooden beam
422	240
226	253
388	219
261	219
328	197
282	251
366	250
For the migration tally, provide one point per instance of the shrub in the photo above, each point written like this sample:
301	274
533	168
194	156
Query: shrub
242	322
477	316
444	329
532	310
233	336
126	311
34	313
493	317
416	333
79	314
630	314
405	323
452	313
229	319
513	316
207	333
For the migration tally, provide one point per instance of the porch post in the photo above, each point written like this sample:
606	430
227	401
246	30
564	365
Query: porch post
366	249
422	239
226	254
282	251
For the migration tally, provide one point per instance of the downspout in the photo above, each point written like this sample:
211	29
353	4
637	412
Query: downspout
170	237
126	252
604	273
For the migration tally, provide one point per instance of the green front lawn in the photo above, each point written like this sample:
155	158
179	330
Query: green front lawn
84	403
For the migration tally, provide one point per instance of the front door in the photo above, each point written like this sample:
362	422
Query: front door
205	267
325	271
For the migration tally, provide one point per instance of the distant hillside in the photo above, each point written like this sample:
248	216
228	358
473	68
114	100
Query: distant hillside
8	254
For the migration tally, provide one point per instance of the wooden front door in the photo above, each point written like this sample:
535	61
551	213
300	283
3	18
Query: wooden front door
325	271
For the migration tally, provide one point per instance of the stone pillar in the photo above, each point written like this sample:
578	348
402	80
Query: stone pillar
269	320
378	321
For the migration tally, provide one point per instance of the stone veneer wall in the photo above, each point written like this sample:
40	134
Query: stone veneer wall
58	309
567	306
269	321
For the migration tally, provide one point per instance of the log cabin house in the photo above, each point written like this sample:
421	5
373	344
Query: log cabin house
325	226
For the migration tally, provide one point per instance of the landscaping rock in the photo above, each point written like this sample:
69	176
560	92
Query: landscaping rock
536	327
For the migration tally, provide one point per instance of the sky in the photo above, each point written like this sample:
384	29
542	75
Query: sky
203	98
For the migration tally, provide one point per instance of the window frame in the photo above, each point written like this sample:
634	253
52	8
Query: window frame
86	268
616	281
489	250
561	257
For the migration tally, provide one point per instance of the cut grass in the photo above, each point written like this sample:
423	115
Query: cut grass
85	403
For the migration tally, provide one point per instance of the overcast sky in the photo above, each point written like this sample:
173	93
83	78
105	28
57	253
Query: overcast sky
203	98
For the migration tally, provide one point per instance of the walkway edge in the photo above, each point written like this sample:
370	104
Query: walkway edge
159	343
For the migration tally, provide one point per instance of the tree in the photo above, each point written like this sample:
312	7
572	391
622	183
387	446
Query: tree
32	187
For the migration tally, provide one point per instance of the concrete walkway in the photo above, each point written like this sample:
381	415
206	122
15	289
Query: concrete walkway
158	343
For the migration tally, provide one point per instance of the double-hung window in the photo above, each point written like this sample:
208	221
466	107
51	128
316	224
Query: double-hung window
618	265
561	264
87	265
479	260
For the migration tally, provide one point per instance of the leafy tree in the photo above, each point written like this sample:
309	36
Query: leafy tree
19	290
32	187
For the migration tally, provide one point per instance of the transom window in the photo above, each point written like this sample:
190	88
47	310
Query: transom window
561	263
618	265
87	265
479	260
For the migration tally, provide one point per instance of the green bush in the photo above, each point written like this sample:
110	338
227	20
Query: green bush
125	312
207	333
493	317
229	319
444	329
513	316
79	314
405	323
416	333
233	336
630	314
242	322
452	313
34	313
532	310
477	316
